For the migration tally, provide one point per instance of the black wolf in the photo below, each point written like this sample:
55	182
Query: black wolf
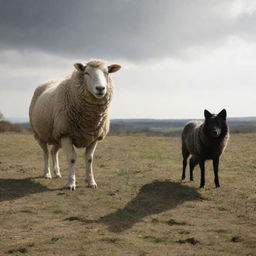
203	141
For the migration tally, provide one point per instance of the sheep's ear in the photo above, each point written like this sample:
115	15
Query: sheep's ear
223	114
79	67
113	68
207	114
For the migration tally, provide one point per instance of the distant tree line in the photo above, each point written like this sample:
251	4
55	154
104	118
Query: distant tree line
6	126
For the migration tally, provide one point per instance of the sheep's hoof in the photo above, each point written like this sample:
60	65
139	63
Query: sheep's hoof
92	186
58	175
71	187
47	176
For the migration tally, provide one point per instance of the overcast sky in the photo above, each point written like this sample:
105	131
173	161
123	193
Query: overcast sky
178	56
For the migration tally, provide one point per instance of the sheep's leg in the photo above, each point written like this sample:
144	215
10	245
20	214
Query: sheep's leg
89	152
68	148
55	161
47	172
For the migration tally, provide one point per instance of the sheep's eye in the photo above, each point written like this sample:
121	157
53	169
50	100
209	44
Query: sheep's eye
86	73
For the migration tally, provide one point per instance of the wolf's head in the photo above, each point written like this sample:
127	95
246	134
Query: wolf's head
215	126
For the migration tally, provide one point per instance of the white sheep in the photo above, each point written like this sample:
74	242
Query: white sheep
73	112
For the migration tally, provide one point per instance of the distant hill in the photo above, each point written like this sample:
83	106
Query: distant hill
173	127
243	119
148	120
160	127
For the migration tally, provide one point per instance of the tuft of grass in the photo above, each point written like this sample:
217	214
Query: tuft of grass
154	239
58	211
29	210
56	238
191	240
19	250
155	220
184	232
222	231
222	208
111	240
72	218
236	239
172	222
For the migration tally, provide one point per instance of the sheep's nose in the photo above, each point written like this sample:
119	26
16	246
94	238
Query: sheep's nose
100	88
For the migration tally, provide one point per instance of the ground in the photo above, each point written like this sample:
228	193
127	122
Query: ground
139	208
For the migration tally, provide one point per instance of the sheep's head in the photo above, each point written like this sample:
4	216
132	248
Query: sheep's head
96	76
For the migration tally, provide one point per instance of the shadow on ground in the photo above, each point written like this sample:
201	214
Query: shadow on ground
153	198
11	189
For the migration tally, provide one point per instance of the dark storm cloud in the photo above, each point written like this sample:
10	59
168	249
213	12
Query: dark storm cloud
133	30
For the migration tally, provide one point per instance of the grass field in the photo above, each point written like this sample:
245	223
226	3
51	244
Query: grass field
139	208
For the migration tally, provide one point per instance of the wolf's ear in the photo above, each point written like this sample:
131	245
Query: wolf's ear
207	114
223	114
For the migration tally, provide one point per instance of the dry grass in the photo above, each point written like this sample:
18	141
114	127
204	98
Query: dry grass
140	206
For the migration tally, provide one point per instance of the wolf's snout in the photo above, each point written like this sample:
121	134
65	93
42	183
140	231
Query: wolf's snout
216	133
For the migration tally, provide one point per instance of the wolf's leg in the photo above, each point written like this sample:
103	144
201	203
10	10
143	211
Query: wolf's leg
185	154
216	171
192	163
202	168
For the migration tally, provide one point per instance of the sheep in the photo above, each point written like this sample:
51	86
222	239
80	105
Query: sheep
203	141
73	112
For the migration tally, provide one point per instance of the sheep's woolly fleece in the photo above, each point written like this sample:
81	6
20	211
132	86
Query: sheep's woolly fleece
67	108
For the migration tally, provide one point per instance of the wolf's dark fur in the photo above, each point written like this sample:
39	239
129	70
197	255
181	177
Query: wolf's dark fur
203	141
